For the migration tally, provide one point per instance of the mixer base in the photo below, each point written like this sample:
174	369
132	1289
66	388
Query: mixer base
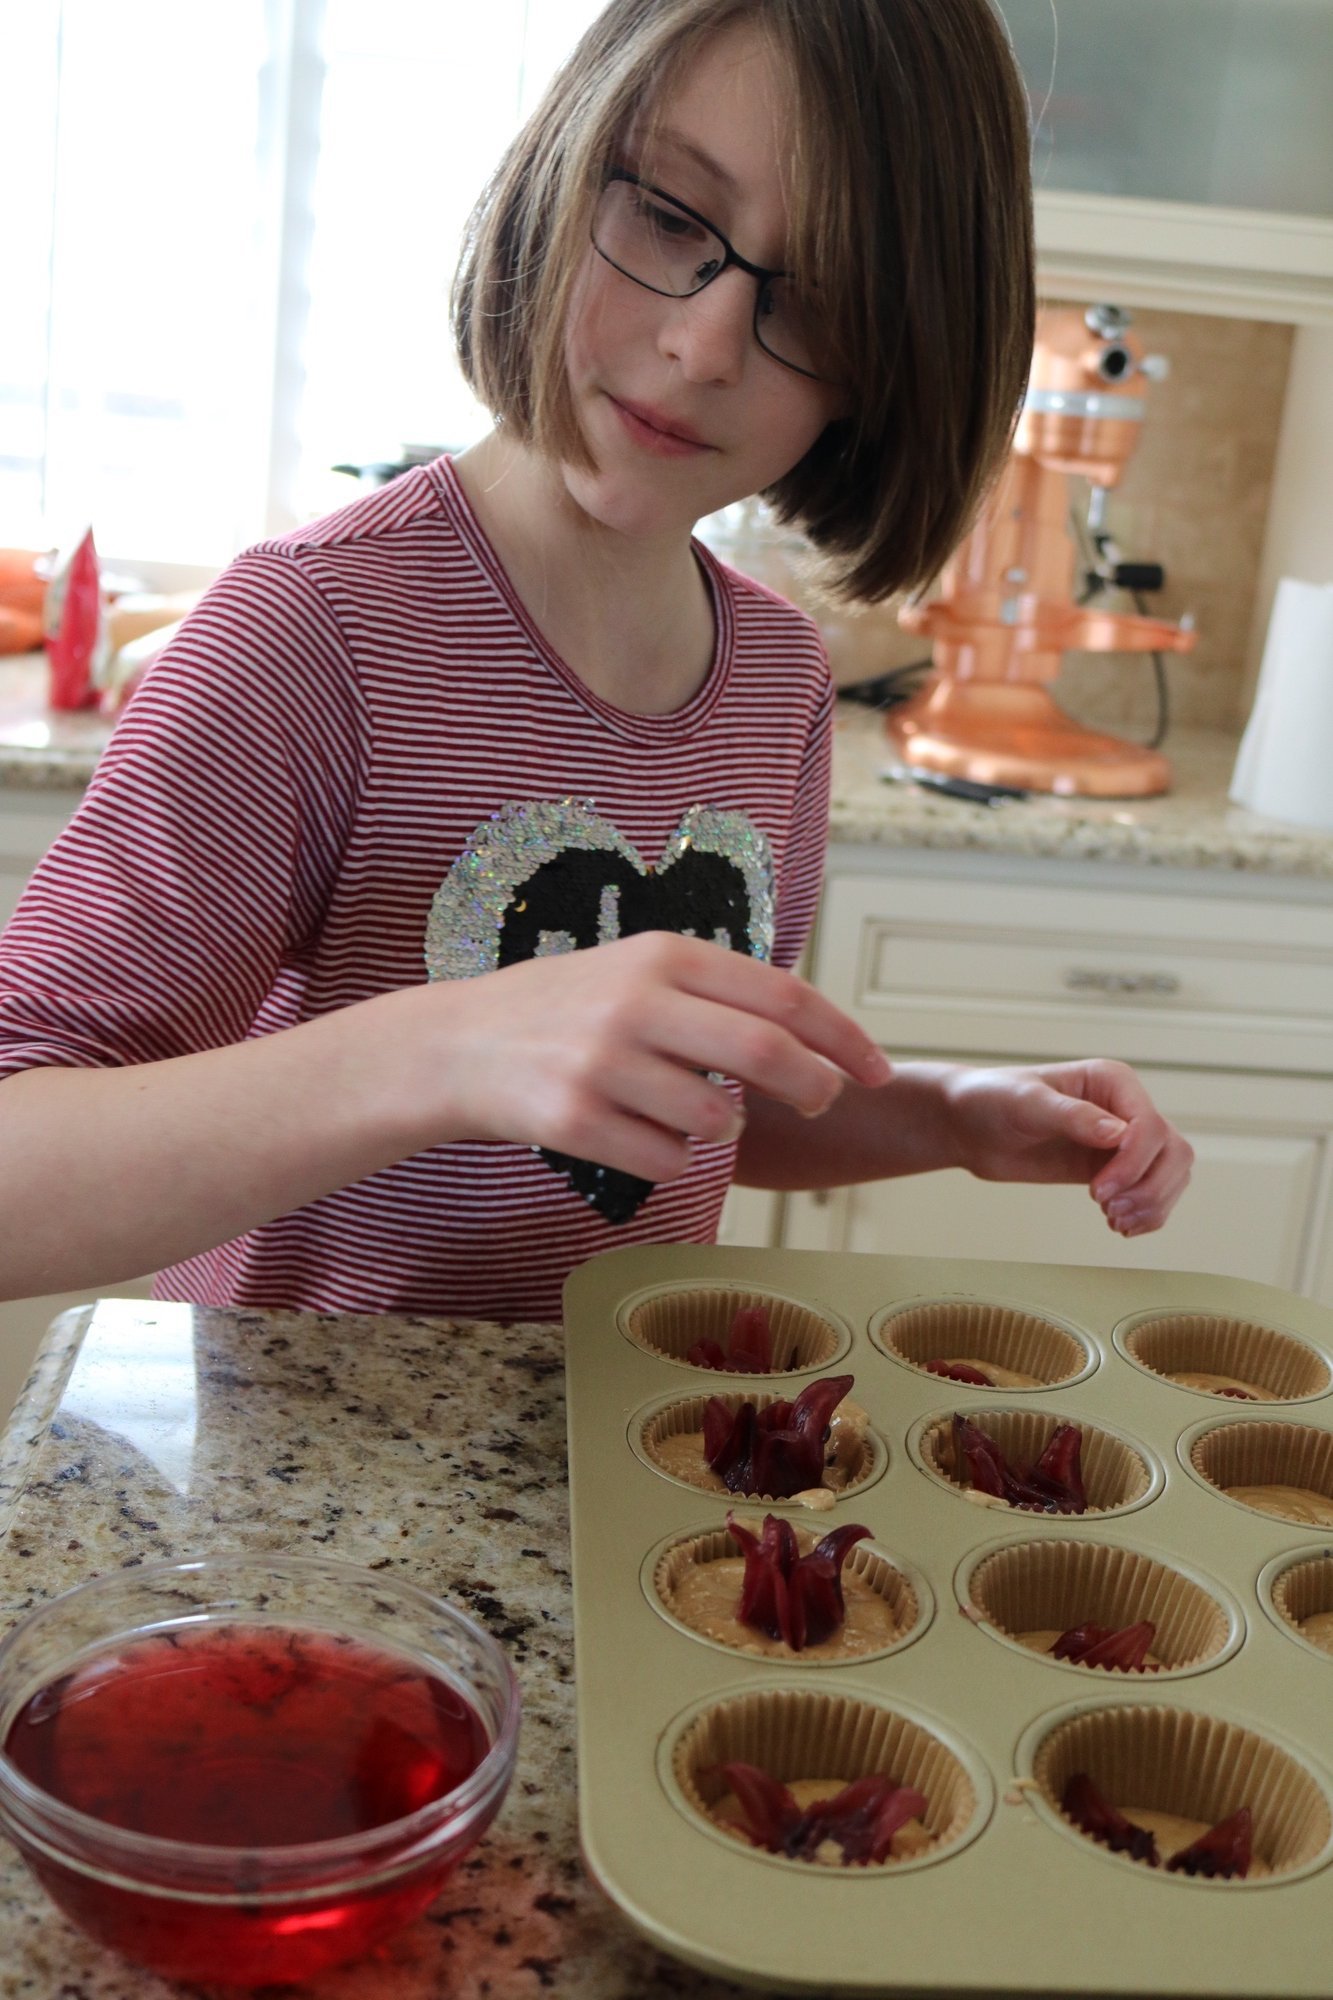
1015	733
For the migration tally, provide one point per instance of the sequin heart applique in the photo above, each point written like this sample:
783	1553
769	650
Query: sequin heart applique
553	876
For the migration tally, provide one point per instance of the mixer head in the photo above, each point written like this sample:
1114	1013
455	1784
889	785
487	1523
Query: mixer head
1084	407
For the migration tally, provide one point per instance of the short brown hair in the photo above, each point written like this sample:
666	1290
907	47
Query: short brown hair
918	222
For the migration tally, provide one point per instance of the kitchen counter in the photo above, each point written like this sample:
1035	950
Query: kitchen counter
431	1447
1192	826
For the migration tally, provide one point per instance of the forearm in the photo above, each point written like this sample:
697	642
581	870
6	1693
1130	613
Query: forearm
105	1173
901	1127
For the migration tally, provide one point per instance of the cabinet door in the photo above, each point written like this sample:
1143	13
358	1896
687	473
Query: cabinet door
29	822
1260	1204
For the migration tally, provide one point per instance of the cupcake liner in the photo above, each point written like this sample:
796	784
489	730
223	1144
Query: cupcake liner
861	1453
1253	1453
1284	1368
1305	1590
865	1565
793	1734
668	1321
1197	1766
978	1330
1115	1474
1050	1585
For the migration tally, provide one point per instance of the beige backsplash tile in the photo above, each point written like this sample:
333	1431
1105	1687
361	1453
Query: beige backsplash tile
1194	498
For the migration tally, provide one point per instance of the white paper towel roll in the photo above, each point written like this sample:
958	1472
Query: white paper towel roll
1284	768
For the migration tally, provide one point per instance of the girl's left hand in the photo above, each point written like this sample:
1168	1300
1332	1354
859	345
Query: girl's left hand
1073	1121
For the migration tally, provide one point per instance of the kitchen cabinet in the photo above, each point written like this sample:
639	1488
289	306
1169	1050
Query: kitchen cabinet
29	822
1219	989
1183	154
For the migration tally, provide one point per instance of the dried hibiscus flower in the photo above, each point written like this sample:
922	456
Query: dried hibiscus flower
1095	1815
861	1819
785	1594
1092	1645
749	1348
1054	1484
1224	1851
960	1371
778	1450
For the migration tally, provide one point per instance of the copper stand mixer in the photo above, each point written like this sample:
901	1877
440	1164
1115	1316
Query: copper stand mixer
1006	610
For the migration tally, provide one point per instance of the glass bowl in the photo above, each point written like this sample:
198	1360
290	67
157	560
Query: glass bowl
250	1767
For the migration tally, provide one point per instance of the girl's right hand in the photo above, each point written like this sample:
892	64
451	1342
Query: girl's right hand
603	1053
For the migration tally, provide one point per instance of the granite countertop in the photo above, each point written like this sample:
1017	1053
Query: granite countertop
432	1447
1192	826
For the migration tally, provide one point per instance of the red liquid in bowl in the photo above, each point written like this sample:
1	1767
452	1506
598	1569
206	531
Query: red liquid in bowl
247	1737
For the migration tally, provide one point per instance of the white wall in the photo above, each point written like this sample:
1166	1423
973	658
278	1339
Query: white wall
1299	538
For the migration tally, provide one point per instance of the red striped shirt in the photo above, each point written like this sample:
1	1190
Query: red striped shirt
266	833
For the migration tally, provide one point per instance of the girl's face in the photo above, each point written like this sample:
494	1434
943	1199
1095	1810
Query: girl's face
684	411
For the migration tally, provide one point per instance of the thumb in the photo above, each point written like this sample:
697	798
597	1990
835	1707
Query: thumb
1092	1125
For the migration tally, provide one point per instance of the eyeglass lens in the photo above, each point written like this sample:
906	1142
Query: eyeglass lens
650	239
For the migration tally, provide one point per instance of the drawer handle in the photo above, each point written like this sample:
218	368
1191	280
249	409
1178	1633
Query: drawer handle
1085	979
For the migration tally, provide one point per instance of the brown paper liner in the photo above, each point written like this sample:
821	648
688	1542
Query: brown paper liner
863	1562
1114	1474
686	1418
795	1733
670	1322
973	1329
1260	1454
1041	1586
1167	1344
1303	1590
1174	1761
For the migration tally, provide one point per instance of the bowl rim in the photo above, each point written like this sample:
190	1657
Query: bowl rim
28	1811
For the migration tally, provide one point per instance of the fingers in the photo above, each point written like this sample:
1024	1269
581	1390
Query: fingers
786	1002
1142	1204
1109	1108
1147	1173
758	1052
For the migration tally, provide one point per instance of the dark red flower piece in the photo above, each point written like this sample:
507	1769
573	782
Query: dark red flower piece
960	1371
778	1450
1092	1645
861	1819
749	1349
1054	1484
789	1595
1225	1850
1058	1473
1084	1804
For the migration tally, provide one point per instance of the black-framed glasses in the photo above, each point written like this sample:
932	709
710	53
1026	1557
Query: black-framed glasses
649	236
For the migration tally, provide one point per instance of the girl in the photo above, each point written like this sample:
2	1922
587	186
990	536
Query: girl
507	708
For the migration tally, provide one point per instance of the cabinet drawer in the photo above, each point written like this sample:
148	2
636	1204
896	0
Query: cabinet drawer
1054	971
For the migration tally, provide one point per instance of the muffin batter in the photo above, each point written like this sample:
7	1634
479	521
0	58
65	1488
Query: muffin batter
1001	1378
908	1842
1043	1638
1289	1503
682	1455
1218	1385
705	1597
1173	1833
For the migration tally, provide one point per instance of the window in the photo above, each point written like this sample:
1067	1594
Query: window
229	269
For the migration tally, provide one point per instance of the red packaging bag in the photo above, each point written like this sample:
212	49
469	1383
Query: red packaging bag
74	629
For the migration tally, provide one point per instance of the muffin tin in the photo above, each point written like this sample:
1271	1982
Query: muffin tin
1008	1896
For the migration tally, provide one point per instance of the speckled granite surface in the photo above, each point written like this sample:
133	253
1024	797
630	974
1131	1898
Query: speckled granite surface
1193	826
434	1448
